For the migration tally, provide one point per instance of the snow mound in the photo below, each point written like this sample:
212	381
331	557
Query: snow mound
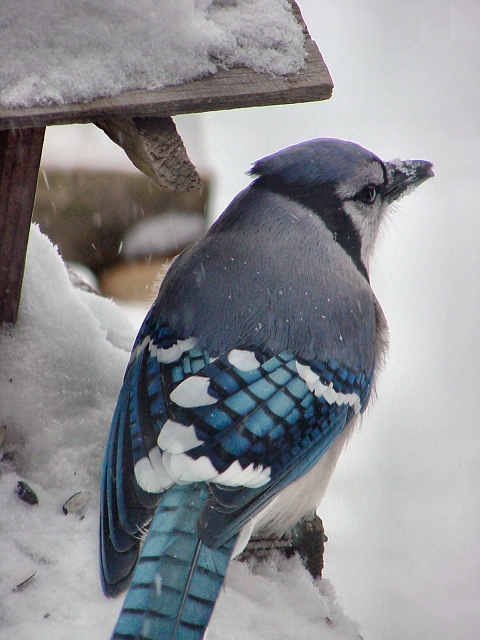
62	367
278	600
166	233
55	52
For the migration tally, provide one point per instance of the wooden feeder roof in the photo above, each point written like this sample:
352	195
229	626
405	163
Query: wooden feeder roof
140	122
226	89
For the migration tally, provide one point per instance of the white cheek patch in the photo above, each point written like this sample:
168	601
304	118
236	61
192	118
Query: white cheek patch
167	356
177	438
243	360
151	474
193	392
327	392
366	225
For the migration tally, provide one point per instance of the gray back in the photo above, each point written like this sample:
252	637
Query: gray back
268	274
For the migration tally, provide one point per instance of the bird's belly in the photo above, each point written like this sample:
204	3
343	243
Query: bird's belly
303	496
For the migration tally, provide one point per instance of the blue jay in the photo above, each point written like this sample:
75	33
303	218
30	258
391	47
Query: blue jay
245	380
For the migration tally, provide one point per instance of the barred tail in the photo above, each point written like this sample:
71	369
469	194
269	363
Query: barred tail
177	578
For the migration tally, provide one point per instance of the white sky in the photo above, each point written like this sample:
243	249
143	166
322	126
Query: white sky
402	513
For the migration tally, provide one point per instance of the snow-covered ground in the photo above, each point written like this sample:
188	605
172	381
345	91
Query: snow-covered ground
402	512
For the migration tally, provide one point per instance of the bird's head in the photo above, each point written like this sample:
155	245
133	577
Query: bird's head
349	187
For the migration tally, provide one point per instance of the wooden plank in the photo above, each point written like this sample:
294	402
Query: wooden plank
155	147
20	153
226	89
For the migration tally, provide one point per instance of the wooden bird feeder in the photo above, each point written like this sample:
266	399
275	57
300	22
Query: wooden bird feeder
140	122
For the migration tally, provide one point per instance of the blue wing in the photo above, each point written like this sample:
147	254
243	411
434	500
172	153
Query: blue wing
247	422
125	508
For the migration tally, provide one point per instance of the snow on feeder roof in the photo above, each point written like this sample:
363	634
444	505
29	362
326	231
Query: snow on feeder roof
100	62
87	60
83	51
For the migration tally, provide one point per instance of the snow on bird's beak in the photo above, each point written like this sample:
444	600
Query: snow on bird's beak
403	176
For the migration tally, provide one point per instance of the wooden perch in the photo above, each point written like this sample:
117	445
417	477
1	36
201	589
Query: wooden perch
155	147
307	539
20	152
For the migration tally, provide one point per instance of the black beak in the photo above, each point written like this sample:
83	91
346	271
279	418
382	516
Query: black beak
405	175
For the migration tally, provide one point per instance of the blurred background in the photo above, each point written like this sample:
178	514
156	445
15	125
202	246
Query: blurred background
403	511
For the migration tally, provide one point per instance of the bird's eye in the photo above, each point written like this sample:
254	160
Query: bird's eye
368	194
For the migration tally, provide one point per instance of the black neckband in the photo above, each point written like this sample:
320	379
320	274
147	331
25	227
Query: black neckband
330	211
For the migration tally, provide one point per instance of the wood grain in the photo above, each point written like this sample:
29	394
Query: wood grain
155	147
20	153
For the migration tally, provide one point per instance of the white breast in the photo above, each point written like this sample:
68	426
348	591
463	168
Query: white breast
302	497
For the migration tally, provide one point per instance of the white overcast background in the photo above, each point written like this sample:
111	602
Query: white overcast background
403	511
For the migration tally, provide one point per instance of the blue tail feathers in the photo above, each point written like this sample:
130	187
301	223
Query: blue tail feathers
177	579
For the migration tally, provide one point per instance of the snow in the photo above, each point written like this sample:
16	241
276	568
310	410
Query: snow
62	367
61	370
279	601
401	512
167	233
55	52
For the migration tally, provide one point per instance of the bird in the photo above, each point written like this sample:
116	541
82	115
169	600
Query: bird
247	377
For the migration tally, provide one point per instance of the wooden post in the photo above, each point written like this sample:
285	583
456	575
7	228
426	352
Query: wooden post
20	152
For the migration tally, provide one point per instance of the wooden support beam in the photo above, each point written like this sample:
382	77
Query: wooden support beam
155	147
20	152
